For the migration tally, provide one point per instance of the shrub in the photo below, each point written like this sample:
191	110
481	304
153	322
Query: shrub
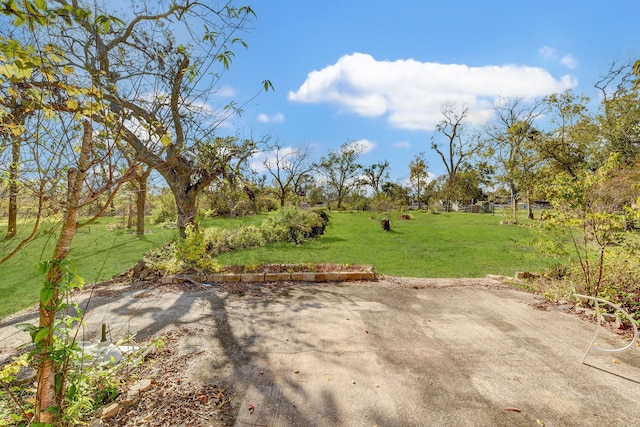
266	204
244	208
318	229
198	249
165	209
293	225
384	203
191	251
245	237
620	282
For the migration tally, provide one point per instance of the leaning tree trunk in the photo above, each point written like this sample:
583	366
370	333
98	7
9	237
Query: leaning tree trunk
12	225
48	396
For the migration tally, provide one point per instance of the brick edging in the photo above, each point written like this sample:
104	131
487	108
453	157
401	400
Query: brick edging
306	276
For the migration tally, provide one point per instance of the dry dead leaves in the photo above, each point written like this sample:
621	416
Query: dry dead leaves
172	399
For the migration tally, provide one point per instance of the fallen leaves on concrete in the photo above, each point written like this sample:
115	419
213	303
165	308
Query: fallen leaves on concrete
172	400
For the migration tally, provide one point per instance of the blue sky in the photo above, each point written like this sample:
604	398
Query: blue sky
378	71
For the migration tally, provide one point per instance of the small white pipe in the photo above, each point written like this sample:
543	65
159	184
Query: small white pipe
620	309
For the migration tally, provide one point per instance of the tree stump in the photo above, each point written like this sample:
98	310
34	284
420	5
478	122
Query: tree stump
386	224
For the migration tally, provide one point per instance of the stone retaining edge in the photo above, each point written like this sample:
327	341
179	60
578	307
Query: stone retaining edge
306	276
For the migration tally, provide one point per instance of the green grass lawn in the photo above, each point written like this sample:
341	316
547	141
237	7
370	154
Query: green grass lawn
97	252
444	245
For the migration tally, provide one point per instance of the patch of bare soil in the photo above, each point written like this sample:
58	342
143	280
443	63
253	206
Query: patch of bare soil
172	400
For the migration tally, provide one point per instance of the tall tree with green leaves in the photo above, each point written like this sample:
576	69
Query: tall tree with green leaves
419	177
511	141
160	72
619	117
341	170
574	138
64	116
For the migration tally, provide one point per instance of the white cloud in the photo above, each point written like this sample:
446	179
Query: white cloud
401	144
256	163
364	145
225	92
547	52
569	61
550	54
262	159
410	93
276	118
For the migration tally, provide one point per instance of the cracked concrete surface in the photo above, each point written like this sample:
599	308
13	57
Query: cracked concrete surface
419	352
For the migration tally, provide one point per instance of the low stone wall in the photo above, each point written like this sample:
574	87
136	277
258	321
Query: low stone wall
306	276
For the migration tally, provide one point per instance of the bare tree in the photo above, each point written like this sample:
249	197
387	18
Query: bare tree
289	168
374	175
456	151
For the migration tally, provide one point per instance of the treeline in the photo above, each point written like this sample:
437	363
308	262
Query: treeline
515	158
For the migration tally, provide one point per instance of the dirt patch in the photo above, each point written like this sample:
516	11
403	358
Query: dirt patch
172	400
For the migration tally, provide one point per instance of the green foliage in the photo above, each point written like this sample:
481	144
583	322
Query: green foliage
509	217
164	210
198	249
266	204
621	277
294	225
14	398
84	383
570	146
593	225
384	203
324	216
341	169
191	252
99	253
589	224
287	224
418	176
